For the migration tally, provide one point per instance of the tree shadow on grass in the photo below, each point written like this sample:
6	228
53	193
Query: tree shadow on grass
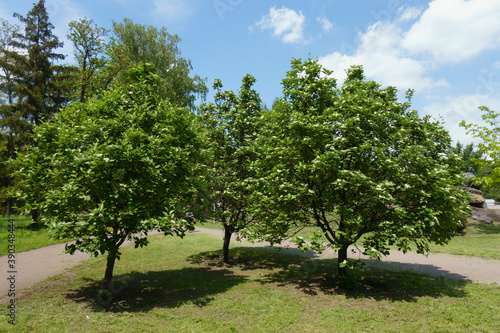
252	258
140	292
316	276
389	281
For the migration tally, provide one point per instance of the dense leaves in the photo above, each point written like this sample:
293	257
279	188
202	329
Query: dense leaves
354	162
231	126
489	147
113	168
33	86
133	43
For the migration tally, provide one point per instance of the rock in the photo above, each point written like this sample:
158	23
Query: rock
480	216
476	200
485	215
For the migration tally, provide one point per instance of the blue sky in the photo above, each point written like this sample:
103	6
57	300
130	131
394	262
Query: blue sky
447	50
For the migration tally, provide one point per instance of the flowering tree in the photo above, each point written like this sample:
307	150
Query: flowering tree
357	164
113	168
231	126
489	148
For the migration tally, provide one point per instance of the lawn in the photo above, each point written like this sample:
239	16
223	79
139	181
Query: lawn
176	285
482	240
26	237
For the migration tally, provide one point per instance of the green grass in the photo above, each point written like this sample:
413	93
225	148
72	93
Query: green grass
481	240
21	221
26	237
178	285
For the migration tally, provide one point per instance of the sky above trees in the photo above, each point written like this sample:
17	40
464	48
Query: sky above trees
447	50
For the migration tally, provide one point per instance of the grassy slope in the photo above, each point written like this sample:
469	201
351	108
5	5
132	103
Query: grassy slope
177	285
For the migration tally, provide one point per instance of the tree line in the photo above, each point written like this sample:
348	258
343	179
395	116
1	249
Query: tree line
35	82
122	153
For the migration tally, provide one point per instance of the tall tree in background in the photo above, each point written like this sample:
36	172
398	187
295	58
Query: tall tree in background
89	46
10	134
132	44
231	126
469	156
34	85
37	92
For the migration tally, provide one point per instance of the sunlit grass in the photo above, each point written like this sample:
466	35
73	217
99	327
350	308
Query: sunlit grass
25	237
176	285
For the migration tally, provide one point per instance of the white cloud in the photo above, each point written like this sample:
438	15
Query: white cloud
384	60
172	8
464	107
326	25
286	24
407	14
455	30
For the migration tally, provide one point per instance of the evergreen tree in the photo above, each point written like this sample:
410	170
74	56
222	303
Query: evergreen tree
36	92
89	48
33	86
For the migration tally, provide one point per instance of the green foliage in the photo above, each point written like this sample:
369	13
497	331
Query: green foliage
231	126
89	46
33	53
354	161
109	169
133	43
489	148
469	156
32	84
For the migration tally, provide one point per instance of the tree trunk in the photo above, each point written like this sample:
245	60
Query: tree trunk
225	248
108	276
342	256
8	207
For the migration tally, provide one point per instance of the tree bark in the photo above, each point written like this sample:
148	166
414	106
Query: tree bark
108	275
342	256
8	207
225	247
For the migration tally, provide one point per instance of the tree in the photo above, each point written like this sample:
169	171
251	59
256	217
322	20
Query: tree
37	95
231	126
133	43
354	162
89	47
113	168
469	156
9	133
35	86
489	148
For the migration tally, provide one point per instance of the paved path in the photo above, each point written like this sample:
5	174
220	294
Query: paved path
37	265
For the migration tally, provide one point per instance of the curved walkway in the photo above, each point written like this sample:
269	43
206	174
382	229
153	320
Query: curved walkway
37	265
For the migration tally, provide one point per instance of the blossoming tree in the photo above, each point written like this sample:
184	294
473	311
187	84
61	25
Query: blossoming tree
357	164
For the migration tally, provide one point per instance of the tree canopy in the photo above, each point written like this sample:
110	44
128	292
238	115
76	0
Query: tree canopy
133	43
489	147
357	164
33	85
231	125
113	168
